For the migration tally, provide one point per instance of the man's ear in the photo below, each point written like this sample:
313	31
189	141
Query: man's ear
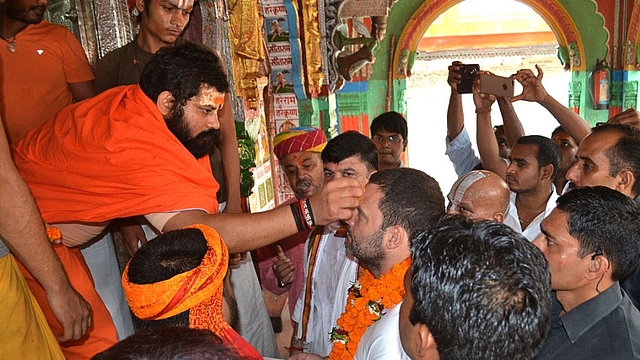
546	171
426	343
498	217
598	267
625	181
165	103
404	144
140	5
395	237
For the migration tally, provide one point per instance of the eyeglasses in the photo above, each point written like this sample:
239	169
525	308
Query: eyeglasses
394	139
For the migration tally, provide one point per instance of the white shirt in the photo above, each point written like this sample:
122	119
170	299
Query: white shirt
333	275
381	341
533	230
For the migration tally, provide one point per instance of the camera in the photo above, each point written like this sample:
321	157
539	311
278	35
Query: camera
468	73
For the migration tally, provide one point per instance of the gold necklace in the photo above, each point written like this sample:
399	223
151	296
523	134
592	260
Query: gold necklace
11	44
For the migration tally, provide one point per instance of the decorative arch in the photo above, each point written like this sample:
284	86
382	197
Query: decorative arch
559	20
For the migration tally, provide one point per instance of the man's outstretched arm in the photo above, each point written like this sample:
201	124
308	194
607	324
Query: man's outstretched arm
22	230
242	232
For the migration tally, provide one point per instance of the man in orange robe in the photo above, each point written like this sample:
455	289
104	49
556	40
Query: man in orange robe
161	129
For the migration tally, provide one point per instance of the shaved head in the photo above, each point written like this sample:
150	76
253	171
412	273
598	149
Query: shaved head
479	195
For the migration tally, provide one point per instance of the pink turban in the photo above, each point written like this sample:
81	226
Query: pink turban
297	139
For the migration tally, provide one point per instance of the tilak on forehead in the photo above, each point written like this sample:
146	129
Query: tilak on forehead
209	96
185	5
460	187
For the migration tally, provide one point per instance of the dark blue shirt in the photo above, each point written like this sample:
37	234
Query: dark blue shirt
606	327
631	284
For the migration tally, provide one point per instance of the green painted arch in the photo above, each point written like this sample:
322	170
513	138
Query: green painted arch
570	20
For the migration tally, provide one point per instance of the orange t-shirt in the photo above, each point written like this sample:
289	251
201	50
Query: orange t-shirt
112	156
34	79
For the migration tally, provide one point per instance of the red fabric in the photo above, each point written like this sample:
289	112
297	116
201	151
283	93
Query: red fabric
109	157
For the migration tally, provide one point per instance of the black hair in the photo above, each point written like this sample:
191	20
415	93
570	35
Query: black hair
605	219
557	131
481	288
409	198
625	154
349	144
169	343
548	153
183	70
392	122
166	256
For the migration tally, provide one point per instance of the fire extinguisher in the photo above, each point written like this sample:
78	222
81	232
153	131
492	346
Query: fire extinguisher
599	85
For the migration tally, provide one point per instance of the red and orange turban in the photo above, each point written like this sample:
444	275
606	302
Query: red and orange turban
198	290
297	139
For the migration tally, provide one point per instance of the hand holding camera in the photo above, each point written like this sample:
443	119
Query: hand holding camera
454	75
532	89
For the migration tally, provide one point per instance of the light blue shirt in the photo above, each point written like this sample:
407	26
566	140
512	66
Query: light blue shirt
461	154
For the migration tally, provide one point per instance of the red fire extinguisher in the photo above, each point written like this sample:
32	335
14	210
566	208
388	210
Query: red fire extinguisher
599	85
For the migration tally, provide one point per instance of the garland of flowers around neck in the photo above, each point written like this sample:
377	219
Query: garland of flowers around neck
369	299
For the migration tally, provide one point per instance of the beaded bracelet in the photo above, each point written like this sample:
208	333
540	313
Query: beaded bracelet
308	214
302	214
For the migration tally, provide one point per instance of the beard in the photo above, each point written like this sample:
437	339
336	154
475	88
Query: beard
198	146
33	15
368	249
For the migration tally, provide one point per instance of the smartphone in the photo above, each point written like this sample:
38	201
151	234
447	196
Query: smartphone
496	85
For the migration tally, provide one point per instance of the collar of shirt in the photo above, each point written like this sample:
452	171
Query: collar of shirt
579	320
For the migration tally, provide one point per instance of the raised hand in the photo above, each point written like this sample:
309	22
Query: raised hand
283	268
532	89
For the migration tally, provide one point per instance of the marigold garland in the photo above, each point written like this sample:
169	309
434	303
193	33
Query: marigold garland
53	233
368	299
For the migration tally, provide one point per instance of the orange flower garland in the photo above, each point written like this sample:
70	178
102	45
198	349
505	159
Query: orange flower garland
53	233
368	298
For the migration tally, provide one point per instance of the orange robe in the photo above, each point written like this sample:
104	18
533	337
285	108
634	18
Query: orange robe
107	157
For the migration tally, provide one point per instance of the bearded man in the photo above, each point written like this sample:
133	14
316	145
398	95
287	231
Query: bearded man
141	150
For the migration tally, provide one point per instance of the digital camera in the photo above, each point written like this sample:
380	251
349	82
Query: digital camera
468	73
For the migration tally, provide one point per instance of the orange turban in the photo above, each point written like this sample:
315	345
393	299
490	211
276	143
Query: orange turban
198	290
297	139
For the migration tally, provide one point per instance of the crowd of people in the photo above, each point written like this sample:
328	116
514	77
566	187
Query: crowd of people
533	254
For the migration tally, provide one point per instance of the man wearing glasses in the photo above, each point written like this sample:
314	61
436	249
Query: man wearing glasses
389	134
591	241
